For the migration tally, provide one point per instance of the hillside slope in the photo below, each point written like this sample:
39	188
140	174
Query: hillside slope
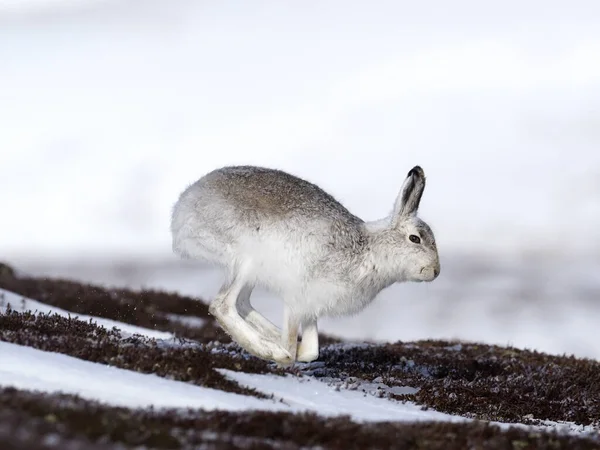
167	377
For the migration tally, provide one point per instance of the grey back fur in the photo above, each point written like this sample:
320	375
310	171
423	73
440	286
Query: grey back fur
299	240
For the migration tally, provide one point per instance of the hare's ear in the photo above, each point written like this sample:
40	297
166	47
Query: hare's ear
410	195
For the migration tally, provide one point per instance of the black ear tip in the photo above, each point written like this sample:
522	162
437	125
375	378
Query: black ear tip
417	170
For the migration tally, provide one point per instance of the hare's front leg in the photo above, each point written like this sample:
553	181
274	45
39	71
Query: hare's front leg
289	332
223	308
308	350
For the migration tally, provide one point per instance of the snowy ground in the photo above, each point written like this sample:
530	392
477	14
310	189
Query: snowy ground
30	369
26	368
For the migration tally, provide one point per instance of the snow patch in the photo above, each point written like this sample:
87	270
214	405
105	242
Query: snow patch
305	394
190	321
32	369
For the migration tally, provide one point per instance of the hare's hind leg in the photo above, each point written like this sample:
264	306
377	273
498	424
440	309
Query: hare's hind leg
308	350
223	308
254	318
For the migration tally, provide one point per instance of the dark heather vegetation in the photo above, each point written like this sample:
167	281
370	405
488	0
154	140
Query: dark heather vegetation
479	381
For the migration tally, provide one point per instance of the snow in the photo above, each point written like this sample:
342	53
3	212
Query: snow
190	321
361	405
310	395
32	369
21	304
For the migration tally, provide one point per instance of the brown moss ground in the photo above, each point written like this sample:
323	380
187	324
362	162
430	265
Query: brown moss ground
147	308
60	419
480	381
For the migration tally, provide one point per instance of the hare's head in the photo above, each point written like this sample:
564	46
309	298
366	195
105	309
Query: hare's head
414	241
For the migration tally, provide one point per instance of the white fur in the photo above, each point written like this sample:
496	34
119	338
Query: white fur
295	258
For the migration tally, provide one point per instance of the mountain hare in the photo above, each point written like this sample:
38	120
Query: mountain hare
269	228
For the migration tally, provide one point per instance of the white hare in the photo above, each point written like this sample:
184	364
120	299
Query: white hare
269	228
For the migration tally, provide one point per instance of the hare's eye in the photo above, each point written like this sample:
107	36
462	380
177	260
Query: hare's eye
414	238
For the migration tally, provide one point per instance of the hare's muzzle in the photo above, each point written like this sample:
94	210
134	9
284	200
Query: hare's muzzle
430	273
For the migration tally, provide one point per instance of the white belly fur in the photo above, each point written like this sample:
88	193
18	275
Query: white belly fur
281	267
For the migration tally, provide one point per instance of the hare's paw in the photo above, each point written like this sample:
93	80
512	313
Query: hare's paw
272	351
307	353
308	349
268	350
250	339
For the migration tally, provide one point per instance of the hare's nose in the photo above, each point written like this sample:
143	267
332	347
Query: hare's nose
436	271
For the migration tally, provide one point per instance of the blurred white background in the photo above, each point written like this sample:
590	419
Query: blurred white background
109	108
